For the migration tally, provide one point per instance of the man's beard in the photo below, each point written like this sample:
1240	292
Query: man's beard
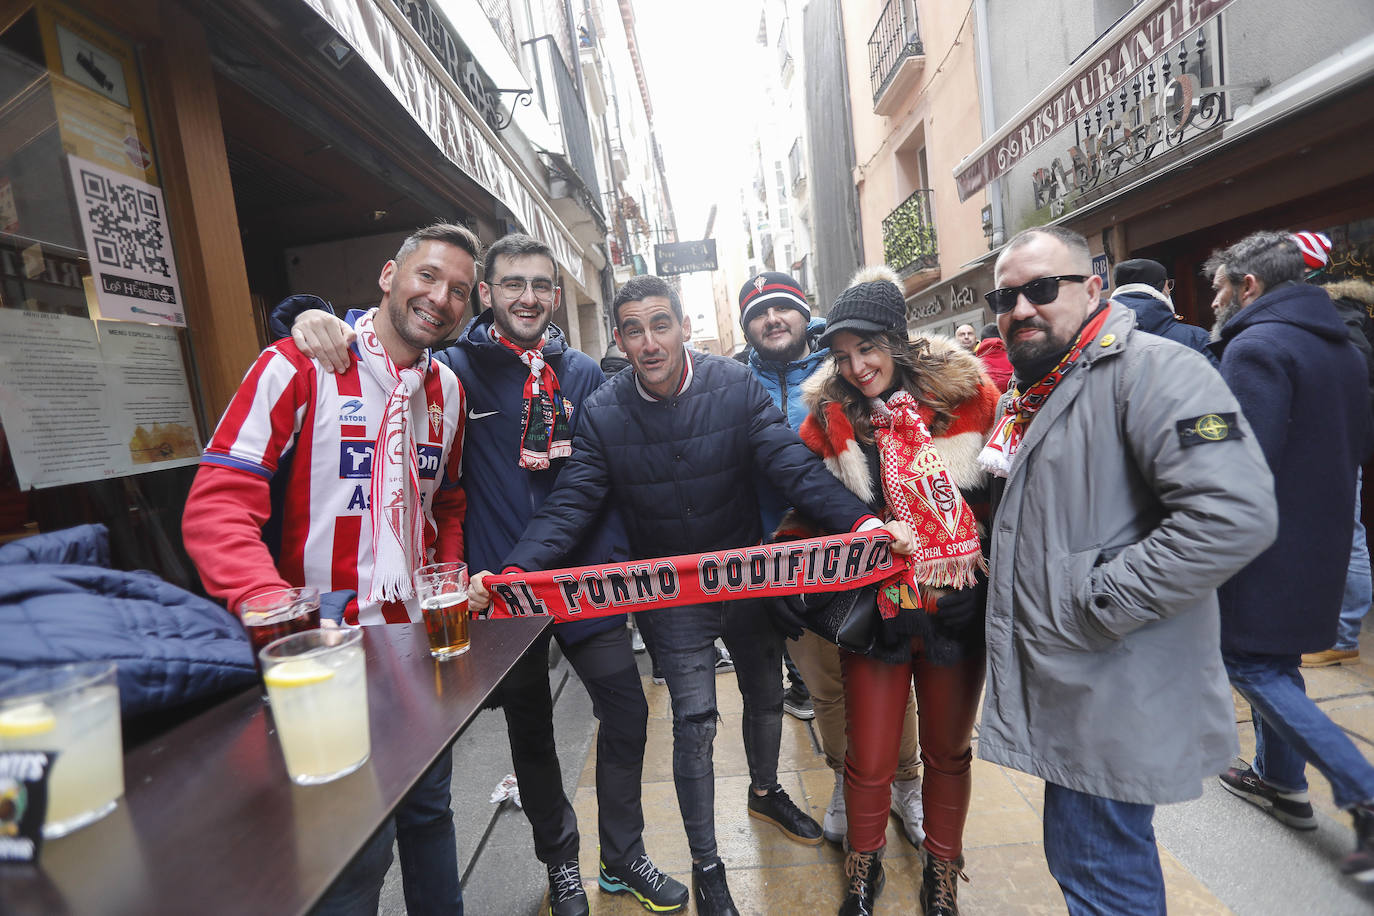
787	354
1228	311
1025	354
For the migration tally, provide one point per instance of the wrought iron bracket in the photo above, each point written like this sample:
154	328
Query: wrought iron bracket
522	96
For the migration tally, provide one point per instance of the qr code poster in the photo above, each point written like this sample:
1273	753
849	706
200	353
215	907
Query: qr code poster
124	221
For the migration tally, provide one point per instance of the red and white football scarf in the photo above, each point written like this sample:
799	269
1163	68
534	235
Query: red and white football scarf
547	434
997	455
397	522
918	490
825	564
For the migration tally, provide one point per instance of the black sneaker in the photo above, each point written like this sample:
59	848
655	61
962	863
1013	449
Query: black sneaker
709	889
1291	808
776	808
566	896
656	891
1360	863
798	704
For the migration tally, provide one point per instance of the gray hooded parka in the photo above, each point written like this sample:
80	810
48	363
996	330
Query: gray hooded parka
1116	525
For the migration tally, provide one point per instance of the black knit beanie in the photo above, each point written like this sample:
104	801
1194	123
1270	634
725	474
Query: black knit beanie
866	308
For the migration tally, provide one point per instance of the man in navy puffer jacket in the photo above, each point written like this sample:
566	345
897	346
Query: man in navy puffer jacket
675	444
520	291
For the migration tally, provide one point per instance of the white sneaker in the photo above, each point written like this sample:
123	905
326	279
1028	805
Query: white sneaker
906	804
836	823
636	641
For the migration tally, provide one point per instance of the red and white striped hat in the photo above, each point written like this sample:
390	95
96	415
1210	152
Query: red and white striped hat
1315	248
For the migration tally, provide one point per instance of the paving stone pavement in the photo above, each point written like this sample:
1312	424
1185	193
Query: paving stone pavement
1219	854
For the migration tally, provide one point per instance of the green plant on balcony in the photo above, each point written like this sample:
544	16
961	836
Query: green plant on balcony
909	238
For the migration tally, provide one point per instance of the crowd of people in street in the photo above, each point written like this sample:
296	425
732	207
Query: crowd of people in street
1102	520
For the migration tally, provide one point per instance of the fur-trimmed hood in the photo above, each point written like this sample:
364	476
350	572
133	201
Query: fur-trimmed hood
828	432
1362	291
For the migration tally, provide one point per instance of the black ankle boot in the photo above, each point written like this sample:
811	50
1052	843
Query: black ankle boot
1360	863
864	871
940	886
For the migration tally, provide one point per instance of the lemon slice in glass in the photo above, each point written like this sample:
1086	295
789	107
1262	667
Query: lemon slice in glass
300	673
29	719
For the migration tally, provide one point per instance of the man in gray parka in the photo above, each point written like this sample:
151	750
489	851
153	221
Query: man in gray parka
1132	488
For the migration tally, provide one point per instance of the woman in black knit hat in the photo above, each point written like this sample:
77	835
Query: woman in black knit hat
901	423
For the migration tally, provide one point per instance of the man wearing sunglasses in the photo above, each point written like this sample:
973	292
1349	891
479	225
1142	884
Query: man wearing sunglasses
1130	487
525	386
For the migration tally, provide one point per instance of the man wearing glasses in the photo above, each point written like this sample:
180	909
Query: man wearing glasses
525	385
1130	488
1144	287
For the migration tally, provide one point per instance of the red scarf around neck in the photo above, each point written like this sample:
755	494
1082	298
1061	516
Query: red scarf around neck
918	489
547	434
996	457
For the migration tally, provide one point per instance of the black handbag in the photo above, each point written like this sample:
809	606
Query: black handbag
849	619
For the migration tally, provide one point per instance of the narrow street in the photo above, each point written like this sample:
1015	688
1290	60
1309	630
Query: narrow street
1219	854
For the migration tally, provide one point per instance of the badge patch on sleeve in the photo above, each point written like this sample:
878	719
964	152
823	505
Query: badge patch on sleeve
1210	427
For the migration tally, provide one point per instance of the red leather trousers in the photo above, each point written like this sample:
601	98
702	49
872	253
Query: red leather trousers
947	704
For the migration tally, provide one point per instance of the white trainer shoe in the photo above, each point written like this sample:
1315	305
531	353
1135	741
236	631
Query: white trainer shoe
906	804
836	823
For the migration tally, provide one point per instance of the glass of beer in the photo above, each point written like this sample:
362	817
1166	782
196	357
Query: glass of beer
270	615
317	682
73	711
443	592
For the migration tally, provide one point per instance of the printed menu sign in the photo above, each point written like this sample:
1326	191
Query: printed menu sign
78	407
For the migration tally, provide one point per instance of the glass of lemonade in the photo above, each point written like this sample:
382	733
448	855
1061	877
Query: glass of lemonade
317	682
443	592
270	615
72	710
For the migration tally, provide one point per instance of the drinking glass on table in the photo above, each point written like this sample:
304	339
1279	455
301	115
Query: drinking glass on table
72	710
317	682
443	592
270	615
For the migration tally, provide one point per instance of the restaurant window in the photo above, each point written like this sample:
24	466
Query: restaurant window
97	422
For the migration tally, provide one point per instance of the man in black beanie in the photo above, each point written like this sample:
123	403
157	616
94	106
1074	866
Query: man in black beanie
1143	286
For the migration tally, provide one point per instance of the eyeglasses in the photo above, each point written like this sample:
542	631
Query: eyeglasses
1040	291
514	287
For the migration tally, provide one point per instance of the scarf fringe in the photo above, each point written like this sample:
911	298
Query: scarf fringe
955	572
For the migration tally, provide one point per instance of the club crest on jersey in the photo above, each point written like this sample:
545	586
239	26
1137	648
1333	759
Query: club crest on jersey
567	408
349	411
355	459
436	419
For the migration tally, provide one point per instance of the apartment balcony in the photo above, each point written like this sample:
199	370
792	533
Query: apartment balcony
896	56
909	242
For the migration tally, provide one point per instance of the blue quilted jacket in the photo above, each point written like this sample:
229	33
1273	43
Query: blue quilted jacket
60	603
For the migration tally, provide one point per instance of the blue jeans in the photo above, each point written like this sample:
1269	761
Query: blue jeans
1102	853
422	829
684	640
1292	731
1359	591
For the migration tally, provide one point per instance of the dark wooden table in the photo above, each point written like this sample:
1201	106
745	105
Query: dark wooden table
211	823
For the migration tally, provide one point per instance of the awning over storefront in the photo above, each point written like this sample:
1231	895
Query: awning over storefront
1140	37
406	68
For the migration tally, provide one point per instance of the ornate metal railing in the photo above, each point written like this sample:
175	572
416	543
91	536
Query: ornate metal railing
896	37
909	235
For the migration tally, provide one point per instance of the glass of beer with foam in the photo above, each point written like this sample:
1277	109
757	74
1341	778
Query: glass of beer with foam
443	592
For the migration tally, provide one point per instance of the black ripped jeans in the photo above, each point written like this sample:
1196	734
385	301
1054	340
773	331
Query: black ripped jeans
684	644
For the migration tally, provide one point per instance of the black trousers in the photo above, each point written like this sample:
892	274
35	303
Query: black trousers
606	664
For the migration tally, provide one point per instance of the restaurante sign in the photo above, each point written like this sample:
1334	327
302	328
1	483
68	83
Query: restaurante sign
1140	38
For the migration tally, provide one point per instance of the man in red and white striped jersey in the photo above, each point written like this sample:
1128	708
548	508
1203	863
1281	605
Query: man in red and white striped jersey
370	460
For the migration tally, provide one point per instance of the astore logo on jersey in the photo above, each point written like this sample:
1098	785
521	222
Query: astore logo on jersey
355	459
348	411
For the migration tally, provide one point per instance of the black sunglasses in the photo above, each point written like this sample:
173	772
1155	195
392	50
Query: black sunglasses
1041	291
